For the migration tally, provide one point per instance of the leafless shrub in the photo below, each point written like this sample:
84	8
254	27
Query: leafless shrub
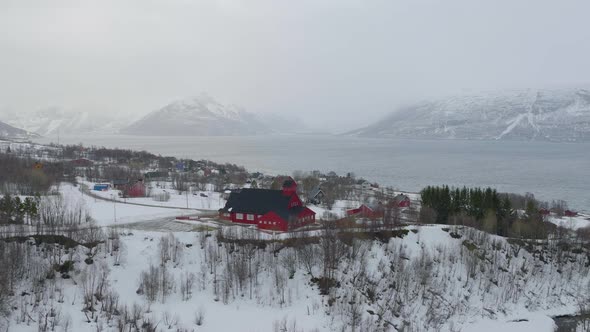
169	320
161	197
200	317
149	283
155	282
170	249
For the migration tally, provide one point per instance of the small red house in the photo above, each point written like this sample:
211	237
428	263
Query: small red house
570	213
402	200
135	190
366	211
279	210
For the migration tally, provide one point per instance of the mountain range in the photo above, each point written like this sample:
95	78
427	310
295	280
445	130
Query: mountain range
196	116
549	115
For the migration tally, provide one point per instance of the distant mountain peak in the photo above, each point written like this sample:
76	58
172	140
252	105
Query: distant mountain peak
197	116
204	116
203	103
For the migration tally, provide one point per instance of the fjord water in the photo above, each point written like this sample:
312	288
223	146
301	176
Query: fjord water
549	170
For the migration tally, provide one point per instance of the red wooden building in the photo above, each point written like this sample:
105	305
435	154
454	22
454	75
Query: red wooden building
366	211
135	190
279	210
402	200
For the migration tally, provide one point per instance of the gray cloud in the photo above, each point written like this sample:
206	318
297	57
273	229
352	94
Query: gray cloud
349	60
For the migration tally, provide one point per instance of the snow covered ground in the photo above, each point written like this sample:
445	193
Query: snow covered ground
243	315
434	281
259	312
106	213
527	322
574	223
205	200
522	300
338	209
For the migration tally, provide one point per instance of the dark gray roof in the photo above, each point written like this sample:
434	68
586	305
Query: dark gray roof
261	201
314	192
401	197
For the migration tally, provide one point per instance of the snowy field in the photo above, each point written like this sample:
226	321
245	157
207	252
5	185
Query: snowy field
106	213
338	209
203	200
526	322
582	220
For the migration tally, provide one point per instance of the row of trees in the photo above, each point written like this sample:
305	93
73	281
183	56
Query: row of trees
475	202
17	210
485	209
26	176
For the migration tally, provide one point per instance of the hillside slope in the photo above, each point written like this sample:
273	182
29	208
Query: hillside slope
53	120
551	115
8	131
426	278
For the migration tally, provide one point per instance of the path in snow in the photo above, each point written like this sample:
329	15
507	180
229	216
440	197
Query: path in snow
161	225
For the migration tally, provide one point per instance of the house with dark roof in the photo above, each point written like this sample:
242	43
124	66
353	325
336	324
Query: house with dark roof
315	196
120	184
279	210
402	200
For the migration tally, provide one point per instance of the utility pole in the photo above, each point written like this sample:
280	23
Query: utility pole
114	207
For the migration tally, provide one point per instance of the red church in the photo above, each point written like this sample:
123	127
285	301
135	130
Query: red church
279	210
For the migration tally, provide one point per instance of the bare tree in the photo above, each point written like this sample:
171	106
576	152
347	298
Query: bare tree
187	280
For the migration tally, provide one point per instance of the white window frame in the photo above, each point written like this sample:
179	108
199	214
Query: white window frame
240	216
250	217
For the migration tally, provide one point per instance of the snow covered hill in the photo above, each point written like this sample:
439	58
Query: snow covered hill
8	131
552	115
199	116
53	120
414	278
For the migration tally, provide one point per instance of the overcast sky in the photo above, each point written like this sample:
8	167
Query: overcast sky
338	63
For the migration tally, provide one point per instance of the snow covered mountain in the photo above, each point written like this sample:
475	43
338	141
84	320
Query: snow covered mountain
199	116
53	120
8	131
551	115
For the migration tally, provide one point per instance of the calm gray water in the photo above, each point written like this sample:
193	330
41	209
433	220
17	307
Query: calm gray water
549	170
